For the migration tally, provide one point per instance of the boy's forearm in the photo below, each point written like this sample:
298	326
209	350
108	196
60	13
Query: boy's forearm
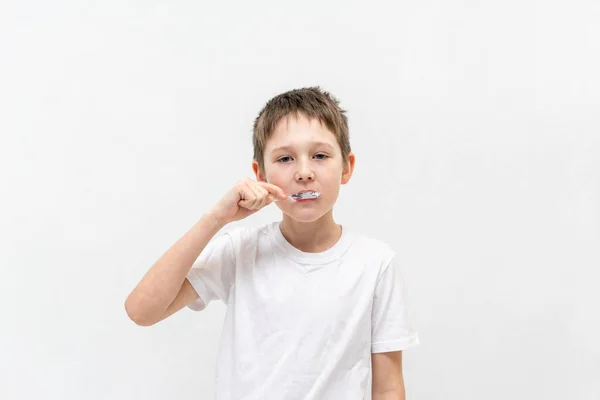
159	287
390	395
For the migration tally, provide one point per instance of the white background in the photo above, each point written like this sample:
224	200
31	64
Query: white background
477	135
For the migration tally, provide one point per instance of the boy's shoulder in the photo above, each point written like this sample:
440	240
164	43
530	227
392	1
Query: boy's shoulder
372	247
245	232
247	237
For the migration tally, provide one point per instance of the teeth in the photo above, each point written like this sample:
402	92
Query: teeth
307	195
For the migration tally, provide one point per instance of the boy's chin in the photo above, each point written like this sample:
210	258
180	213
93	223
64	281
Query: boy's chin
305	216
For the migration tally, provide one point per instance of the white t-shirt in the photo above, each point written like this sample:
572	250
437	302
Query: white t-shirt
301	325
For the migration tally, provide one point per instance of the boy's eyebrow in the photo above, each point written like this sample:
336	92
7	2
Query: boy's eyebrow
314	143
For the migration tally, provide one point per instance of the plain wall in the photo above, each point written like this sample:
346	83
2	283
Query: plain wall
477	138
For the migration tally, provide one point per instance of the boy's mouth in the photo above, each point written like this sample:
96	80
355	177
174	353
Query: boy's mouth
307	195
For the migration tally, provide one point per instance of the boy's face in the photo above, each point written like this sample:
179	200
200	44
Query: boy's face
303	154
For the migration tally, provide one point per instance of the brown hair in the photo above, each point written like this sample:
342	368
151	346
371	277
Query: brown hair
313	102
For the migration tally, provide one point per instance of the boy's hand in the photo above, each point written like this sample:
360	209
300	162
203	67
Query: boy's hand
244	199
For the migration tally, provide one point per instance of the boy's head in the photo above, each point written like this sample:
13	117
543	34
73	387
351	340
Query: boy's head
313	103
301	141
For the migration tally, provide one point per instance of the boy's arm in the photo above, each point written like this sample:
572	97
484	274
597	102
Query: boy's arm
164	289
387	379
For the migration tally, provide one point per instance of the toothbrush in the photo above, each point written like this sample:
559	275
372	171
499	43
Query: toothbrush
313	194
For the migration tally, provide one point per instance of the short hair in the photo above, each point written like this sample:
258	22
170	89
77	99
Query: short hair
314	103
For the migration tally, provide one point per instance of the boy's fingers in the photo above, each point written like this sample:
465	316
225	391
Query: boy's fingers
249	195
273	189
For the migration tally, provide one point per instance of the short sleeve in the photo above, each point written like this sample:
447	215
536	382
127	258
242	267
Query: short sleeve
213	273
391	328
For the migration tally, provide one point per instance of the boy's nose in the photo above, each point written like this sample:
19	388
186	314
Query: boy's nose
304	174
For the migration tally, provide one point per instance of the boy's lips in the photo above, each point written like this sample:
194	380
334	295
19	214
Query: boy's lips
306	195
306	190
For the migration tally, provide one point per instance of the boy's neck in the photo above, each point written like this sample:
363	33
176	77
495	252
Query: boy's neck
311	237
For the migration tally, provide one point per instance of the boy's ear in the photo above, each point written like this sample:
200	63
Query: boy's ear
348	168
259	175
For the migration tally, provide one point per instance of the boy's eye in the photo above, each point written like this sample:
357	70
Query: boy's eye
323	156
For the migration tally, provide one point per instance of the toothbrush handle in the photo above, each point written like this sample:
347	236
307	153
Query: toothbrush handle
289	198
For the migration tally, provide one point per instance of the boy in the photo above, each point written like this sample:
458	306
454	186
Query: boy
314	309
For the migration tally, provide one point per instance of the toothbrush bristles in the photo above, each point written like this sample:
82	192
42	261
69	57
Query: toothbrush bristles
306	195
